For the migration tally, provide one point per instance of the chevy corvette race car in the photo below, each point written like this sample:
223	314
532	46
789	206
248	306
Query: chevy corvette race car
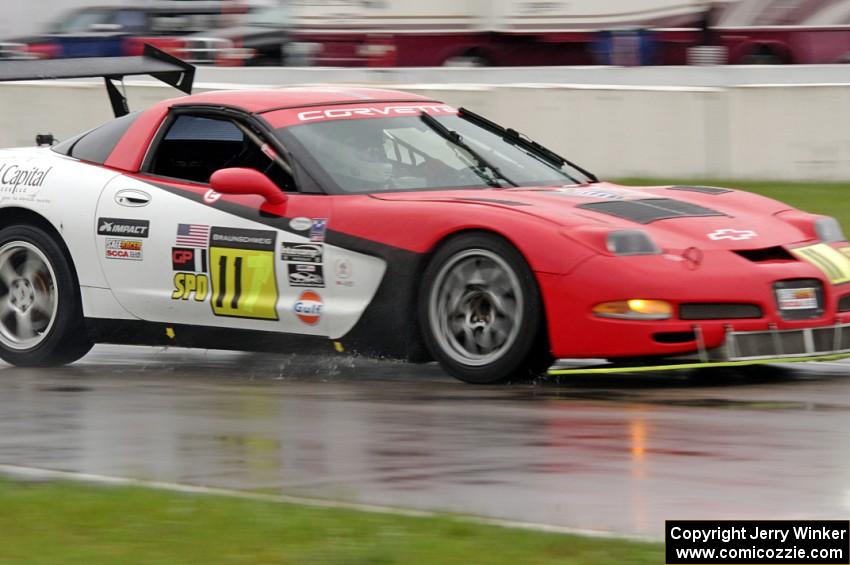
389	224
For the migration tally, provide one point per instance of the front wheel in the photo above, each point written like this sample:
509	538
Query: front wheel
41	320
481	312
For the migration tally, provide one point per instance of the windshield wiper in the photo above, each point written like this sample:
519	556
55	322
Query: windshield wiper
455	138
514	137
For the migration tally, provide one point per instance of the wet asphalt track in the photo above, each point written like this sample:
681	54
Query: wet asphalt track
617	453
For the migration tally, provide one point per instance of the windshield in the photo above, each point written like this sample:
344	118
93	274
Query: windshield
79	22
406	153
274	16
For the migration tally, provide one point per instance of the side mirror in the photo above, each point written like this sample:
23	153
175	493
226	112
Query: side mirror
249	181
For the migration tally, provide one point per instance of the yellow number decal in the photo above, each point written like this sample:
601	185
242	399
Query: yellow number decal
243	277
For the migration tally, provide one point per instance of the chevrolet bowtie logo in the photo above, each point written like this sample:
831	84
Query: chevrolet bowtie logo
735	235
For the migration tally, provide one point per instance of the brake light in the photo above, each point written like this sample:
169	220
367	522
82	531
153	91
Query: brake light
43	50
135	46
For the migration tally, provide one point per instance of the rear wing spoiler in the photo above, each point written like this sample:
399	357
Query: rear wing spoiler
152	62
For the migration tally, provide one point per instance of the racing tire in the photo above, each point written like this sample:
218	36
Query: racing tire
41	315
480	312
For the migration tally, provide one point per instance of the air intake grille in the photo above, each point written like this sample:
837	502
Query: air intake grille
766	254
778	344
844	304
719	311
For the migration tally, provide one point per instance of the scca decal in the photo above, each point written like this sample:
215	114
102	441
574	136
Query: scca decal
374	112
124	249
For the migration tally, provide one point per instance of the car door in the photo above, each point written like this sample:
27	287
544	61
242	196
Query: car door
174	250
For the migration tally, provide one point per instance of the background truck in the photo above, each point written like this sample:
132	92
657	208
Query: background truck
567	32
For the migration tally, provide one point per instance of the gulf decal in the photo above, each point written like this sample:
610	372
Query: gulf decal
308	307
833	263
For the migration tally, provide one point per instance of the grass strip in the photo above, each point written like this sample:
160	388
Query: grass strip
61	522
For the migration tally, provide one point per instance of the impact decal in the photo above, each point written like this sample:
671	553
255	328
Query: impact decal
303	274
242	273
119	226
834	264
126	249
317	229
301	252
308	308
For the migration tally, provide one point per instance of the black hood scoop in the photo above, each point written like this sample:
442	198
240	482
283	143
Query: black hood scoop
649	210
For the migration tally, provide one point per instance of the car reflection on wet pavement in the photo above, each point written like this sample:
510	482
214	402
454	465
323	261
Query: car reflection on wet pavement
614	453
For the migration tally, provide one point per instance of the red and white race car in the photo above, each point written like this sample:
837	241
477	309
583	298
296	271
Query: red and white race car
389	224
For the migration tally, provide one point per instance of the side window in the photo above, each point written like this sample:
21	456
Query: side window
130	20
194	147
96	145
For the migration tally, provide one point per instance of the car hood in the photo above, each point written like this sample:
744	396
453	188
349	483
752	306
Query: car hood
678	217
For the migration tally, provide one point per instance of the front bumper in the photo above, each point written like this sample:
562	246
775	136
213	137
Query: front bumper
722	278
781	344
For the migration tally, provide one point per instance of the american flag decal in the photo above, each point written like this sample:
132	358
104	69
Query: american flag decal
193	235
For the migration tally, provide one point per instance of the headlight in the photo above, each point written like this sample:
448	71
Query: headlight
829	230
635	309
632	242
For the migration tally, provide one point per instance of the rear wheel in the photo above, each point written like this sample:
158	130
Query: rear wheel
41	319
481	312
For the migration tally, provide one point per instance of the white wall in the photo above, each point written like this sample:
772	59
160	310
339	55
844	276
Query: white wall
764	132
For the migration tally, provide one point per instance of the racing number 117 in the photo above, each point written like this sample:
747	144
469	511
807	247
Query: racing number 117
243	283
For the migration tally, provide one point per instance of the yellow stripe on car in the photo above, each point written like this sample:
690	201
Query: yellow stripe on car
690	366
834	264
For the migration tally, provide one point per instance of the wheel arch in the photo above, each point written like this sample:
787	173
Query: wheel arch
448	237
15	215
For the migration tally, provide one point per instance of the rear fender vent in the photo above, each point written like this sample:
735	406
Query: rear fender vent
719	311
766	255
